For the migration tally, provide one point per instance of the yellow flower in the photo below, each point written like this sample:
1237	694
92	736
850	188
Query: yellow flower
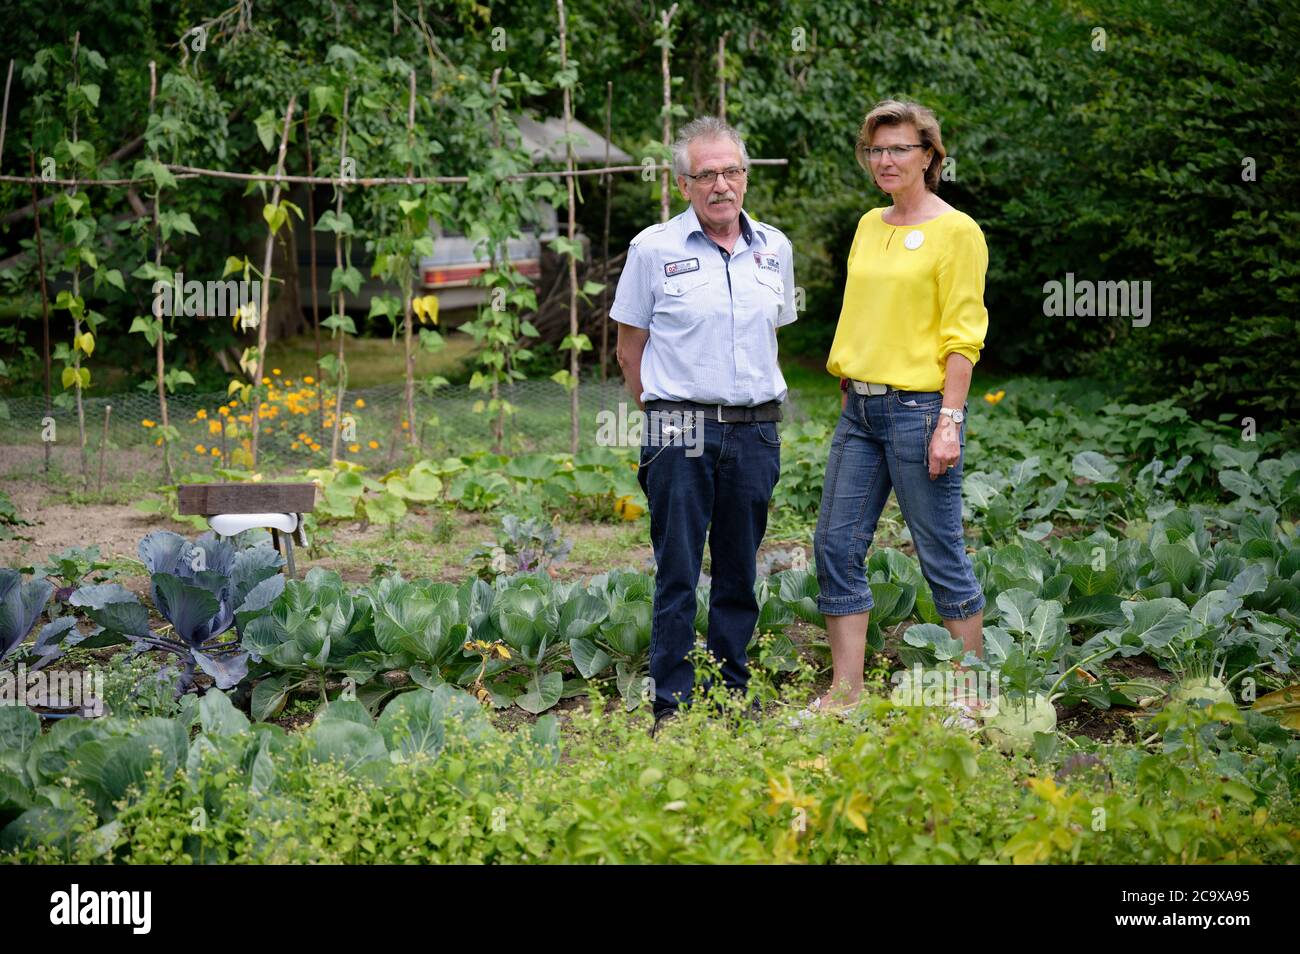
223	411
994	398
200	449
353	448
214	427
406	425
359	403
626	509
147	423
216	452
374	445
201	414
266	380
303	437
275	371
158	442
308	380
295	445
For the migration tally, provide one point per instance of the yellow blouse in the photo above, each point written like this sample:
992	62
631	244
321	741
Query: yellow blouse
914	295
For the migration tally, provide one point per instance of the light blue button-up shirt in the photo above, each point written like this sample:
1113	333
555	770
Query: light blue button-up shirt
712	317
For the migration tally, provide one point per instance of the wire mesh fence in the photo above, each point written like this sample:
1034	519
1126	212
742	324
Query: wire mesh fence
296	433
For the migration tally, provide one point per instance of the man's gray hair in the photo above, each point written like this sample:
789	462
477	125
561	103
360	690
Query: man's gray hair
705	127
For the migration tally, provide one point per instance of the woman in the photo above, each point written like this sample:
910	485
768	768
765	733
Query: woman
910	331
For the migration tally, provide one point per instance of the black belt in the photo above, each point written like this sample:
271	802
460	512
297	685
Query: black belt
725	413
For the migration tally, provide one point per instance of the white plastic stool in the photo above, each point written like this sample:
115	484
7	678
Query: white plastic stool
288	524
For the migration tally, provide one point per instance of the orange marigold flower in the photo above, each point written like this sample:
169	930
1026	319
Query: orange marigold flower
308	379
353	448
374	445
147	423
200	449
201	414
359	403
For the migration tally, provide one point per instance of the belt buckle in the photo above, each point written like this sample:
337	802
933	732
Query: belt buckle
720	420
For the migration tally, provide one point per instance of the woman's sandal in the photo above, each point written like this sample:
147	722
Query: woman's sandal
966	713
815	709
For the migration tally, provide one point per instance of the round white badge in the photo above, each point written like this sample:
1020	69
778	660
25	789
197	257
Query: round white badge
914	240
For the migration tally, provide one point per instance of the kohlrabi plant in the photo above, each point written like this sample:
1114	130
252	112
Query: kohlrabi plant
523	546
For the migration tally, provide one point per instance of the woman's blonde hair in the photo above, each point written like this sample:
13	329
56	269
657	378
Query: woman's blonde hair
893	112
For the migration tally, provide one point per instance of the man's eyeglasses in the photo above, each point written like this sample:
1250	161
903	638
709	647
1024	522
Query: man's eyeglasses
710	176
898	152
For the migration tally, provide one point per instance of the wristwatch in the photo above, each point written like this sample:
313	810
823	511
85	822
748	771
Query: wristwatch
956	415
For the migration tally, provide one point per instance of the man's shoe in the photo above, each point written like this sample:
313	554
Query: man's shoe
661	718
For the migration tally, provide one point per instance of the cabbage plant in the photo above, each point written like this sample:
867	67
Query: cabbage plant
202	589
314	628
21	605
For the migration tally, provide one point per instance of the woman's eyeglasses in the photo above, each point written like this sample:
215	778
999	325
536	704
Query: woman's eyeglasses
898	152
710	176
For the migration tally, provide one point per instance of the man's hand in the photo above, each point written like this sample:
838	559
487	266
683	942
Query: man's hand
945	447
628	349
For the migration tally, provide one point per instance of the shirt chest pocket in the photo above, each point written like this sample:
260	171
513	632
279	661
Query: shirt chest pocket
686	299
770	296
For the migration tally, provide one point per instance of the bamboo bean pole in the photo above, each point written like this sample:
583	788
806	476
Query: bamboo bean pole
4	115
195	172
498	425
664	194
311	245
340	378
76	293
103	445
604	245
409	362
160	343
722	79
266	278
45	299
573	261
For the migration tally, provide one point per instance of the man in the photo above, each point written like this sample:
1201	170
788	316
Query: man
698	305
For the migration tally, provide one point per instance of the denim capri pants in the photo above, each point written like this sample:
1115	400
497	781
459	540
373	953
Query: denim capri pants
883	442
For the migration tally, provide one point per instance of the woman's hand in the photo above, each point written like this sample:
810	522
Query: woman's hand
945	447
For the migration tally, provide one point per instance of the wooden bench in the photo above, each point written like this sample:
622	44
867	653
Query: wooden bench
233	508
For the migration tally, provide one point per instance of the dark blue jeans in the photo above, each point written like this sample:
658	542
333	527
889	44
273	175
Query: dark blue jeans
720	491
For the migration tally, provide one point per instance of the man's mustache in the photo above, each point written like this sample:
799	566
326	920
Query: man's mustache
725	197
